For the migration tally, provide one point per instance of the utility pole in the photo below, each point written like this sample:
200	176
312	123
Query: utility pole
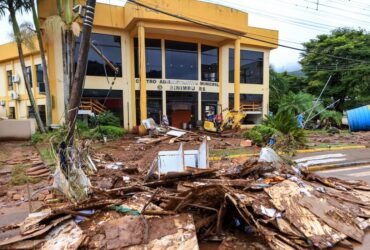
80	74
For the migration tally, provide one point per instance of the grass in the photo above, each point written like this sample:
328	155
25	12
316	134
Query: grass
323	132
47	158
333	145
19	176
232	151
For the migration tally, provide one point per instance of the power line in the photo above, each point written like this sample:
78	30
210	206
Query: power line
235	33
336	8
346	17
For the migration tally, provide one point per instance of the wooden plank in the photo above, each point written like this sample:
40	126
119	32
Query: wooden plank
336	218
285	197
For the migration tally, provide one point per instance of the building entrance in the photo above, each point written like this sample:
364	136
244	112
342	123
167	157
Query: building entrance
182	108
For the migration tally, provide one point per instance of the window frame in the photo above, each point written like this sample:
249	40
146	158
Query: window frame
29	75
243	79
100	61
9	74
137	59
195	74
217	73
40	70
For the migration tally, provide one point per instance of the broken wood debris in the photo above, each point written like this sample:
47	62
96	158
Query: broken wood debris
264	204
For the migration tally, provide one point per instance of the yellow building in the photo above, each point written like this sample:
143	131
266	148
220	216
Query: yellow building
200	59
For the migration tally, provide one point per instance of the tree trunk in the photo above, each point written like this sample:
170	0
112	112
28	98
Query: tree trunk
24	72
66	78
79	78
44	65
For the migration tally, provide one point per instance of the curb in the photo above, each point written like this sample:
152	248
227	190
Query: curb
218	158
330	149
334	166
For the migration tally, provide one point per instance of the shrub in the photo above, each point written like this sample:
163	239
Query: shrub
254	135
111	132
332	117
82	126
291	136
37	137
260	135
106	119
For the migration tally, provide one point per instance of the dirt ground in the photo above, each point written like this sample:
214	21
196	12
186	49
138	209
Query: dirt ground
14	205
344	137
132	154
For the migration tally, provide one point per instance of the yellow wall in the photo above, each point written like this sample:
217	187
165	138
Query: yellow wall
124	22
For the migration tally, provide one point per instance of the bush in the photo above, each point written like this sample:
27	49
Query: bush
37	137
106	119
331	117
111	132
260	135
254	135
291	136
82	126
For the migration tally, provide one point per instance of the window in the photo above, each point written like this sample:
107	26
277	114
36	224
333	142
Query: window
42	112
10	82
209	63
31	112
29	75
153	58
110	46
251	66
11	113
40	78
181	60
154	105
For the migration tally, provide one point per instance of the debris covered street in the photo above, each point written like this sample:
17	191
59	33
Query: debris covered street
184	125
262	202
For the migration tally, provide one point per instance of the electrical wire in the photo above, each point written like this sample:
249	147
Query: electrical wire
235	33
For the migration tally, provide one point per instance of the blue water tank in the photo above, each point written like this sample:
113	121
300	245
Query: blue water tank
359	118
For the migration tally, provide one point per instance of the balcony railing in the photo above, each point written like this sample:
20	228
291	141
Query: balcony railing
251	107
93	105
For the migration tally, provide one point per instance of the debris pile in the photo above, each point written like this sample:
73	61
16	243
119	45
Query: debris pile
265	203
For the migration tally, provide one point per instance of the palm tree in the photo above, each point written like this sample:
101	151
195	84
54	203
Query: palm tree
65	22
12	6
36	22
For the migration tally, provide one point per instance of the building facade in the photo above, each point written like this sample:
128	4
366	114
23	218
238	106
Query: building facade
167	65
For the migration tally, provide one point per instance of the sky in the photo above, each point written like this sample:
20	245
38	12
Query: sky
296	20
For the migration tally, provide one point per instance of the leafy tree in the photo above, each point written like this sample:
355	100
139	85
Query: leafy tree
281	84
294	104
350	78
14	6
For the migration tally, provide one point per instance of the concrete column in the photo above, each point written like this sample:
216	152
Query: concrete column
142	66
163	59
133	85
220	80
237	75
200	117
164	102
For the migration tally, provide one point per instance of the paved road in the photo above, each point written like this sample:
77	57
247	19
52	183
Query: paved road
335	156
353	173
350	173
